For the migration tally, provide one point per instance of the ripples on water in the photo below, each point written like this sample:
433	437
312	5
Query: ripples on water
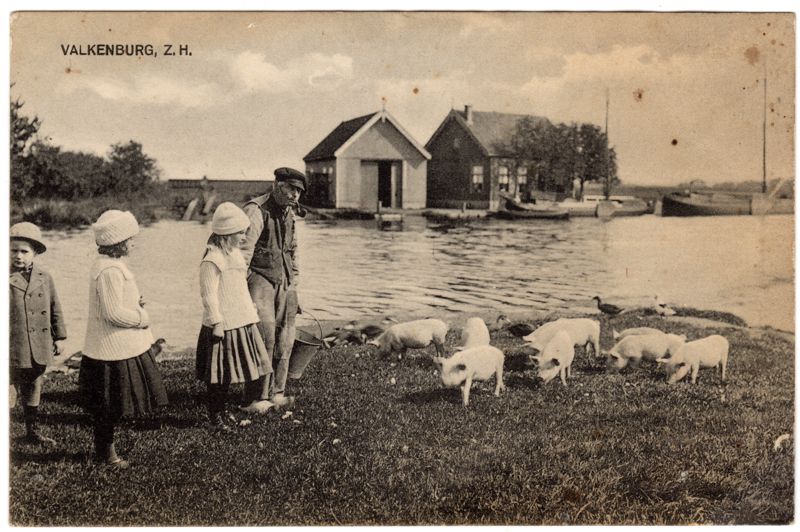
351	269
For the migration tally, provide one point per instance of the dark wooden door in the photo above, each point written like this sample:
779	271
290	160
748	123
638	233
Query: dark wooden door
385	183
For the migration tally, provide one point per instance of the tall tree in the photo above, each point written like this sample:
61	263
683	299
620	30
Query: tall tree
130	170
22	135
563	152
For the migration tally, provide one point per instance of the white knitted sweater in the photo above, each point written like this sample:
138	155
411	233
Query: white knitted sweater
223	288
116	328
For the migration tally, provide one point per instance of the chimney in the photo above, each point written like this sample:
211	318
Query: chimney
468	113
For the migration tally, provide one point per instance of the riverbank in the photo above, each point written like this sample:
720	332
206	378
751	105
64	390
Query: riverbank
79	213
374	441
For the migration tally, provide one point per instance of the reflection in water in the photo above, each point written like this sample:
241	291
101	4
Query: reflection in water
420	268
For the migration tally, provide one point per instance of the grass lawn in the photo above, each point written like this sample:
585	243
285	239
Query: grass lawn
608	448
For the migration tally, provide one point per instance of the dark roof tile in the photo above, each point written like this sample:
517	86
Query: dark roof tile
337	137
493	130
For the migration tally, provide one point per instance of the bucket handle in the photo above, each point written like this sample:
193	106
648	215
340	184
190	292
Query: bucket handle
316	320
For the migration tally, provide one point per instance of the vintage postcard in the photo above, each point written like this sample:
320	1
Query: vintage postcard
401	268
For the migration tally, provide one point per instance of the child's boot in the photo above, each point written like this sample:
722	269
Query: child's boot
31	430
104	451
116	461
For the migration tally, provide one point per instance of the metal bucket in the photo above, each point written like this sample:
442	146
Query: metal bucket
305	347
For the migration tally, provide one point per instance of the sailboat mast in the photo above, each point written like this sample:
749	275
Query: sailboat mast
607	187
764	137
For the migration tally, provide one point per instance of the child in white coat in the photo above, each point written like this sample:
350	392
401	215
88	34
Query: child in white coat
119	376
230	349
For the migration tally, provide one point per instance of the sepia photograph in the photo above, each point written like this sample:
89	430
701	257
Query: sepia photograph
362	268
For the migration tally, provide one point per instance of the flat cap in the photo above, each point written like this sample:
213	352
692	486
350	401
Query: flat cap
291	176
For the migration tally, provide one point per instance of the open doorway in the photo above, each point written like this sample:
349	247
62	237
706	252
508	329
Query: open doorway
390	184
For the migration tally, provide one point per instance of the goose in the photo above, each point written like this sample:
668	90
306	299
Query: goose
607	308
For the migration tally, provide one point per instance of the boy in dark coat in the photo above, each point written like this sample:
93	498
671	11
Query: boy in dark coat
36	323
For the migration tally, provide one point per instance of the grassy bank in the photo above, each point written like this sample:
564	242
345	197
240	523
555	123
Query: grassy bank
69	214
609	448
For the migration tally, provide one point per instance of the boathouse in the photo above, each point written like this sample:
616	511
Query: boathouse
365	160
471	165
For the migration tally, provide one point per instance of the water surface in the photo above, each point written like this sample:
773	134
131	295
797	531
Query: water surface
350	269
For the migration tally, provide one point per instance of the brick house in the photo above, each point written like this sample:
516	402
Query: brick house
470	164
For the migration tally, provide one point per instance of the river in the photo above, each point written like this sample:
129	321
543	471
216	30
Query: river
351	269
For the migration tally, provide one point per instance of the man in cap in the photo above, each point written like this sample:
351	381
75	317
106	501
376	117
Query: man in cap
270	248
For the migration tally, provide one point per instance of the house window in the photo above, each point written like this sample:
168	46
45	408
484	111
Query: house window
522	178
502	179
477	178
456	143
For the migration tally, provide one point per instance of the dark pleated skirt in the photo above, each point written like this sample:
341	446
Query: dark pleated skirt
121	388
234	359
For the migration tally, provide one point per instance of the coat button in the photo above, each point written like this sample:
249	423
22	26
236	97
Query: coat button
44	312
45	329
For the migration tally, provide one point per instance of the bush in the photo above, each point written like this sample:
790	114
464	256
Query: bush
59	213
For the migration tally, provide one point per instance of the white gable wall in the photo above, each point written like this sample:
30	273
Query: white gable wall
384	142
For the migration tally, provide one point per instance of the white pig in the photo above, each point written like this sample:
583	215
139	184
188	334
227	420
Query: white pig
633	349
474	333
636	331
583	331
416	334
476	363
708	352
556	358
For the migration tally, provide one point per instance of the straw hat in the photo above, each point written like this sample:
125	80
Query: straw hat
30	233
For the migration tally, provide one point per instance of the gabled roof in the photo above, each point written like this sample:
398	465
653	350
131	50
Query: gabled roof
489	129
347	132
337	137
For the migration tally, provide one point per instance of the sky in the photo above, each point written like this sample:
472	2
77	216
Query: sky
260	90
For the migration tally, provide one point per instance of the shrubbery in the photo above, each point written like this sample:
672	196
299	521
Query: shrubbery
53	187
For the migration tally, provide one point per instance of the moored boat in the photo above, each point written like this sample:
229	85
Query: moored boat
631	207
700	204
541	214
515	209
590	206
579	208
